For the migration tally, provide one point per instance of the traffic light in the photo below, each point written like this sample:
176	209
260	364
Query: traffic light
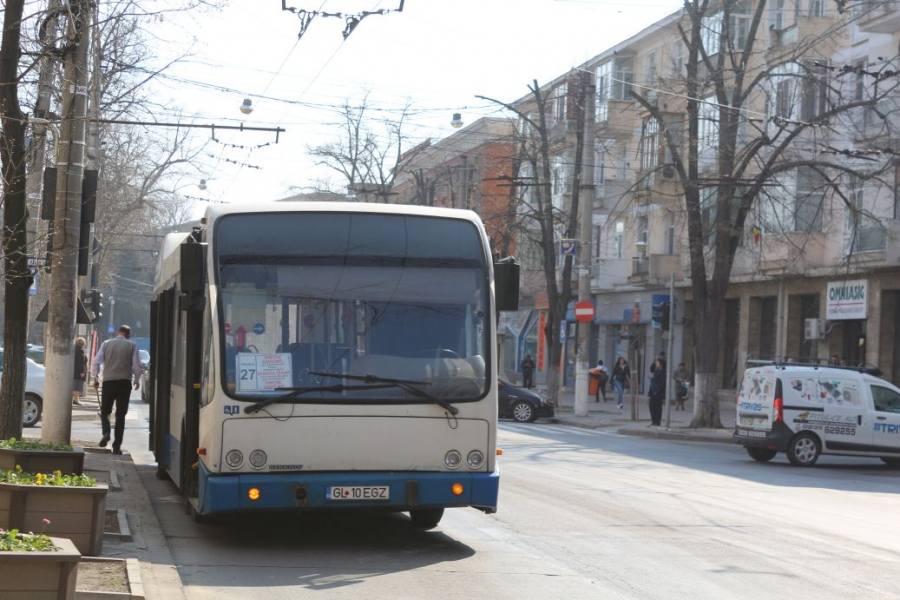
96	297
661	313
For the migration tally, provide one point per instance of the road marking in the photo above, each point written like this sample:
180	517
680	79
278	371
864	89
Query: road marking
535	430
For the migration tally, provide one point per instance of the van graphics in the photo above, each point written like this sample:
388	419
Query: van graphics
887	428
757	391
828	424
836	391
806	389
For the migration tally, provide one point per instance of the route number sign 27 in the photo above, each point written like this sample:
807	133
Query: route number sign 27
263	372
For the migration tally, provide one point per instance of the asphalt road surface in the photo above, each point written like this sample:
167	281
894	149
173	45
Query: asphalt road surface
583	514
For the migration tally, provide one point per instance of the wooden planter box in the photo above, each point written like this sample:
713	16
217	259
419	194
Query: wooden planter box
40	575
43	461
75	513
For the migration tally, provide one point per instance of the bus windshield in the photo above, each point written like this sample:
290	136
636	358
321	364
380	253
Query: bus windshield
389	296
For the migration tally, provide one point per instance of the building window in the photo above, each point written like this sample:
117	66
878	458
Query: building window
649	150
678	59
619	240
814	93
897	192
711	32
810	200
816	8
866	233
623	79
859	89
708	131
670	234
604	73
650	77
708	198
559	100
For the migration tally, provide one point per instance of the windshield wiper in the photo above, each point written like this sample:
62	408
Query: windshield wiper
403	384
293	393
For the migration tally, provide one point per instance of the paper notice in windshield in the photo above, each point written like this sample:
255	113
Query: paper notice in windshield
263	372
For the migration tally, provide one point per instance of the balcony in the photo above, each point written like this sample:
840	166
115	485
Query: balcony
879	17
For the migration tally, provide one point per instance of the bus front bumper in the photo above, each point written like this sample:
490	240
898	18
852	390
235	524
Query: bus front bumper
309	491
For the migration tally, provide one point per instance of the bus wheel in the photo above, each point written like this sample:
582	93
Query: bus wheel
761	454
426	518
804	449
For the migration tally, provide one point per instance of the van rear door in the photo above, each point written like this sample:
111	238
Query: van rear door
756	400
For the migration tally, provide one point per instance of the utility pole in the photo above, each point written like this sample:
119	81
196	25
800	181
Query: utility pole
39	126
586	208
57	422
670	383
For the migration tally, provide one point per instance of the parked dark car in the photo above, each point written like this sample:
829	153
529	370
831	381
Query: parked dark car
522	405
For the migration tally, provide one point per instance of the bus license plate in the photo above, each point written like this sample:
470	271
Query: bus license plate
358	492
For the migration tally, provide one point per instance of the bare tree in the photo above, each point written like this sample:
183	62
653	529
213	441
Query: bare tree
751	115
540	222
16	278
366	160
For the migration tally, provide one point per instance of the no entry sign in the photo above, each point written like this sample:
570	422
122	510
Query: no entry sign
584	312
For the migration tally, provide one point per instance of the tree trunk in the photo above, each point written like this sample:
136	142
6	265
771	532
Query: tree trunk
17	278
707	313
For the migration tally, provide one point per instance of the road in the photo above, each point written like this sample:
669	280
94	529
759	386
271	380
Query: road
583	514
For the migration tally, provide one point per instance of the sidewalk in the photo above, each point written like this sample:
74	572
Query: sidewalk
143	538
606	415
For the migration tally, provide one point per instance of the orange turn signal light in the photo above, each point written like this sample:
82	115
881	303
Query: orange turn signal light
499	451
201	451
457	489
253	493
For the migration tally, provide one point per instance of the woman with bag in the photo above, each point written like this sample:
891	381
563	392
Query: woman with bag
80	370
657	392
621	379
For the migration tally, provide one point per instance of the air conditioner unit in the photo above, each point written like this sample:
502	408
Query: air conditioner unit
668	172
812	329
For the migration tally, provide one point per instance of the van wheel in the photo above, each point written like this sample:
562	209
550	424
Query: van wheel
804	450
891	461
761	454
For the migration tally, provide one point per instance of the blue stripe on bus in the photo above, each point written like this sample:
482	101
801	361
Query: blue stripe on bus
278	491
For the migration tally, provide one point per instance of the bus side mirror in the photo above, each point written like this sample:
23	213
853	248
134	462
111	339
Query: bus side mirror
193	263
506	285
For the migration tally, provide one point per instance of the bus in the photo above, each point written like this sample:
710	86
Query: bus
329	355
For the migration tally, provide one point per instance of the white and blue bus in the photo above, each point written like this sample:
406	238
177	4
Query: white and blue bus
329	355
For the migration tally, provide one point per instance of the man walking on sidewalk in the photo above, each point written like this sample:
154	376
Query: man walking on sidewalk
121	362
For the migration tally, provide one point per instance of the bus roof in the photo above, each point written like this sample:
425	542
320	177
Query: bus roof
169	258
213	212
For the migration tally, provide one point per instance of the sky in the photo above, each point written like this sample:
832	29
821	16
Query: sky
435	54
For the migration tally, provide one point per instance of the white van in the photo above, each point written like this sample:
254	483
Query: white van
806	411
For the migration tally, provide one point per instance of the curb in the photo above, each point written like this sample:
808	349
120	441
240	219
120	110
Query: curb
124	534
660	434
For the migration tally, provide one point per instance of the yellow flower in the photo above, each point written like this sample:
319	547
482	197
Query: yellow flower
58	473
19	468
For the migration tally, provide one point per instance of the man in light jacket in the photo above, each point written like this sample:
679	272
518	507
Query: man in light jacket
121	365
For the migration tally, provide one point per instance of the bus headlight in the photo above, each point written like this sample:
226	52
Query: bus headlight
258	459
453	459
475	459
234	458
